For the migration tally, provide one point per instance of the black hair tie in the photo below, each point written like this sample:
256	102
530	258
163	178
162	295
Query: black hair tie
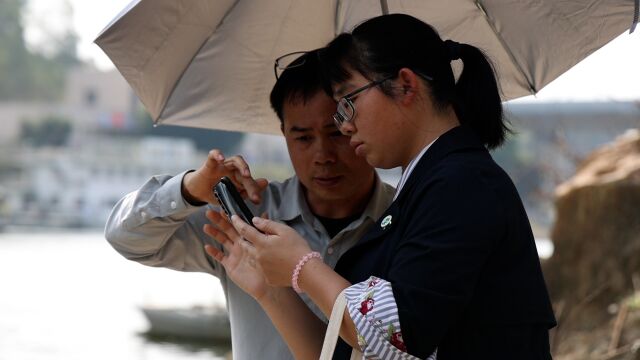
453	49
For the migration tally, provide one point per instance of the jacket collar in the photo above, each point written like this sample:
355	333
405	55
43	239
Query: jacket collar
457	139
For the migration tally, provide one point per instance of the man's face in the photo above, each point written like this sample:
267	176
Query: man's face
324	161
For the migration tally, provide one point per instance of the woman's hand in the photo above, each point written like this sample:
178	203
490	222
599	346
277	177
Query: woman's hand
238	258
277	250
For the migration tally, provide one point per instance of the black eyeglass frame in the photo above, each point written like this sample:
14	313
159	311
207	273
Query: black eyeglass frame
339	117
347	100
276	63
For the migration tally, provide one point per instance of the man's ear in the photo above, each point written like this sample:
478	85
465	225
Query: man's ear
408	83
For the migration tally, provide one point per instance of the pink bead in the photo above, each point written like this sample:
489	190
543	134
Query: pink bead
296	271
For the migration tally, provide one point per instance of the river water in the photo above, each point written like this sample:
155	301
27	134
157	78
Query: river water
68	296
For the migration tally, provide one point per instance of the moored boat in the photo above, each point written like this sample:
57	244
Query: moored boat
195	323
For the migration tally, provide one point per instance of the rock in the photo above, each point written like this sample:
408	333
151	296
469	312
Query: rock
596	235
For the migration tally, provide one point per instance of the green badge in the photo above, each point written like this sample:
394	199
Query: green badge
385	222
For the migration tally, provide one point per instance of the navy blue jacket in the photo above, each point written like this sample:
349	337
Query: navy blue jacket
461	257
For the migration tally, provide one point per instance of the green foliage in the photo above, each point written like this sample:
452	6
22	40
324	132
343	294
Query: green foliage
25	75
51	131
142	120
634	301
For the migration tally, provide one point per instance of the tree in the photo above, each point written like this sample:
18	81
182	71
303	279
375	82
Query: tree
27	75
51	131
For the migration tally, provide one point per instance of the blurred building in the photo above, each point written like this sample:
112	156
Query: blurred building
77	184
92	100
107	156
79	188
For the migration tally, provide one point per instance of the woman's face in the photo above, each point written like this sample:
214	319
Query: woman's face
379	127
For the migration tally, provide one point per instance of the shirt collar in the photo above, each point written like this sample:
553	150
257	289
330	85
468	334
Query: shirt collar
292	203
289	210
380	199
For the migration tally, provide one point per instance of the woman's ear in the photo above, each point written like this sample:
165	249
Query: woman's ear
408	82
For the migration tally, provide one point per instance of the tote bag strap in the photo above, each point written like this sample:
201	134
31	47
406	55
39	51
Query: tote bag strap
333	330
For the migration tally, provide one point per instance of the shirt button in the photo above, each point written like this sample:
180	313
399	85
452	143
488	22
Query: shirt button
143	214
173	205
330	250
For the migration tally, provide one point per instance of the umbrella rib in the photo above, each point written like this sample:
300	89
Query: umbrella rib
156	121
505	47
226	14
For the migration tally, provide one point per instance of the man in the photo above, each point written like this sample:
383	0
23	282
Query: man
331	201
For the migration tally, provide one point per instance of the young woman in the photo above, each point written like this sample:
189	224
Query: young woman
451	267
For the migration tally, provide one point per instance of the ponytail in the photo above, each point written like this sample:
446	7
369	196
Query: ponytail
477	96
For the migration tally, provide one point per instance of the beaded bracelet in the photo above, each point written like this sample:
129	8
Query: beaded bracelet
296	271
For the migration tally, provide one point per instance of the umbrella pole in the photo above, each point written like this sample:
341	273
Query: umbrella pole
635	17
385	7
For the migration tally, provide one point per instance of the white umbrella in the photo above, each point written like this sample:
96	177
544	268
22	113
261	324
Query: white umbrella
209	63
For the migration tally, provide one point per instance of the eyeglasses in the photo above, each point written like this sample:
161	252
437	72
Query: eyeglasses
346	109
288	61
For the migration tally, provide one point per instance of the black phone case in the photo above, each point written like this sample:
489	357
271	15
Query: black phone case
230	200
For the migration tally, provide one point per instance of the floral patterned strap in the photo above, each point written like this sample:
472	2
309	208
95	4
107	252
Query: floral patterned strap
374	312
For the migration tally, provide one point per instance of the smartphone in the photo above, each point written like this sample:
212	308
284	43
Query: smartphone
230	200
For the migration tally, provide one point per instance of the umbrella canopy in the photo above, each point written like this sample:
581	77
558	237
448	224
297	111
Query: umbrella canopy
205	63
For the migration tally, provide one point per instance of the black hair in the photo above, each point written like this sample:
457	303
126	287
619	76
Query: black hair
383	45
300	81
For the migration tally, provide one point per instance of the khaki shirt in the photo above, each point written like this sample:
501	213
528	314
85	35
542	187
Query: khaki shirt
155	226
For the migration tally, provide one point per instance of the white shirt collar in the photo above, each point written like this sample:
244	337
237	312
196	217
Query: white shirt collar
407	172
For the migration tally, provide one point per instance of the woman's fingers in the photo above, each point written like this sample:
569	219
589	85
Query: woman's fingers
222	224
247	231
219	256
259	234
214	253
269	227
217	235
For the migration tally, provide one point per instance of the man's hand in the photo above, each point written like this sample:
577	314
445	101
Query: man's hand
197	185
